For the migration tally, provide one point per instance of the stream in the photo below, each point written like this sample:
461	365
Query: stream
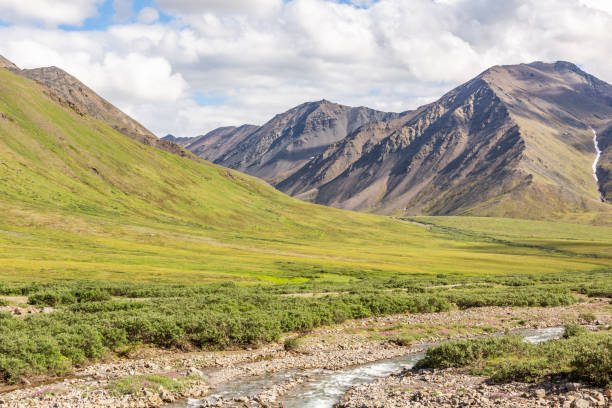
596	161
324	388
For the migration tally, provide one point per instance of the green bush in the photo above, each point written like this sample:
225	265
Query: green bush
587	317
51	298
88	323
292	343
572	330
460	353
593	364
521	370
582	354
402	341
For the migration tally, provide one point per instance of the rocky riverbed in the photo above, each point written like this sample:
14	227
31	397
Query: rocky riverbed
453	388
332	348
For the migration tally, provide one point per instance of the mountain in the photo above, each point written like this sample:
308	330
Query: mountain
79	200
283	145
183	141
514	141
71	92
4	63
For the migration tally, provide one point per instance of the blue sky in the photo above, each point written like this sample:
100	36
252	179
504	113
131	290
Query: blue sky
188	66
107	16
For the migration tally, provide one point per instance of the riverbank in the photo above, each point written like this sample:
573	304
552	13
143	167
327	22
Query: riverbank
331	348
455	388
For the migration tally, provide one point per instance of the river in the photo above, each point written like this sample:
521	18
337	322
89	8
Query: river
324	388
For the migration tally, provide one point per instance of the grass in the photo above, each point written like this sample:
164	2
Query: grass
149	382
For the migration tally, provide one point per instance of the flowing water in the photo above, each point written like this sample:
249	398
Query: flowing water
324	388
597	157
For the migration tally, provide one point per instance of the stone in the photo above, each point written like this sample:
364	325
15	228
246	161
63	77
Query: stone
581	403
600	400
540	393
194	371
572	386
166	397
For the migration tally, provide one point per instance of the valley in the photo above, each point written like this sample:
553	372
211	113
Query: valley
133	273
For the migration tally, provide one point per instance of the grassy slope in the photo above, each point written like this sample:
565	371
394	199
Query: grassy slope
147	215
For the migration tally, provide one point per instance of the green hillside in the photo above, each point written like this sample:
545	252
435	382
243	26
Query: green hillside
81	201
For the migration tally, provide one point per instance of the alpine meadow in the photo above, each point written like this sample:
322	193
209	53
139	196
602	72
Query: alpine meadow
455	254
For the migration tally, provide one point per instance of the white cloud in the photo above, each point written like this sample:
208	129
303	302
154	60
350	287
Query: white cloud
190	7
603	5
48	12
148	15
253	59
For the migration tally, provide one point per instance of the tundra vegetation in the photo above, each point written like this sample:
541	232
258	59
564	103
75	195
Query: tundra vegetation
93	320
581	355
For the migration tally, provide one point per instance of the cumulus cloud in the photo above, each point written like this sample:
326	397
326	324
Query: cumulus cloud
190	7
48	12
232	62
148	15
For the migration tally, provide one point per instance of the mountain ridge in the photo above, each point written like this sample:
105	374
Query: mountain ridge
515	135
279	147
68	90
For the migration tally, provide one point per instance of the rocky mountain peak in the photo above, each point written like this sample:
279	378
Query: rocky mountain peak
4	63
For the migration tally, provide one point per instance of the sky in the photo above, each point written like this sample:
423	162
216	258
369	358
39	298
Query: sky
186	67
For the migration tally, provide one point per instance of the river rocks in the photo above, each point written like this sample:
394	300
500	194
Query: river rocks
21	312
194	371
166	396
572	386
580	403
453	388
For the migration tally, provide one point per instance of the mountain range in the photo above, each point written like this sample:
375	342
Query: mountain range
514	141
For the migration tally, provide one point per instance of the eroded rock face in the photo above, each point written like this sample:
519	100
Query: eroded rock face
277	149
518	134
514	133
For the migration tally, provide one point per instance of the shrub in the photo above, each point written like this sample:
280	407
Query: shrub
572	330
461	353
593	363
402	341
92	295
521	370
587	317
586	356
292	343
51	298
